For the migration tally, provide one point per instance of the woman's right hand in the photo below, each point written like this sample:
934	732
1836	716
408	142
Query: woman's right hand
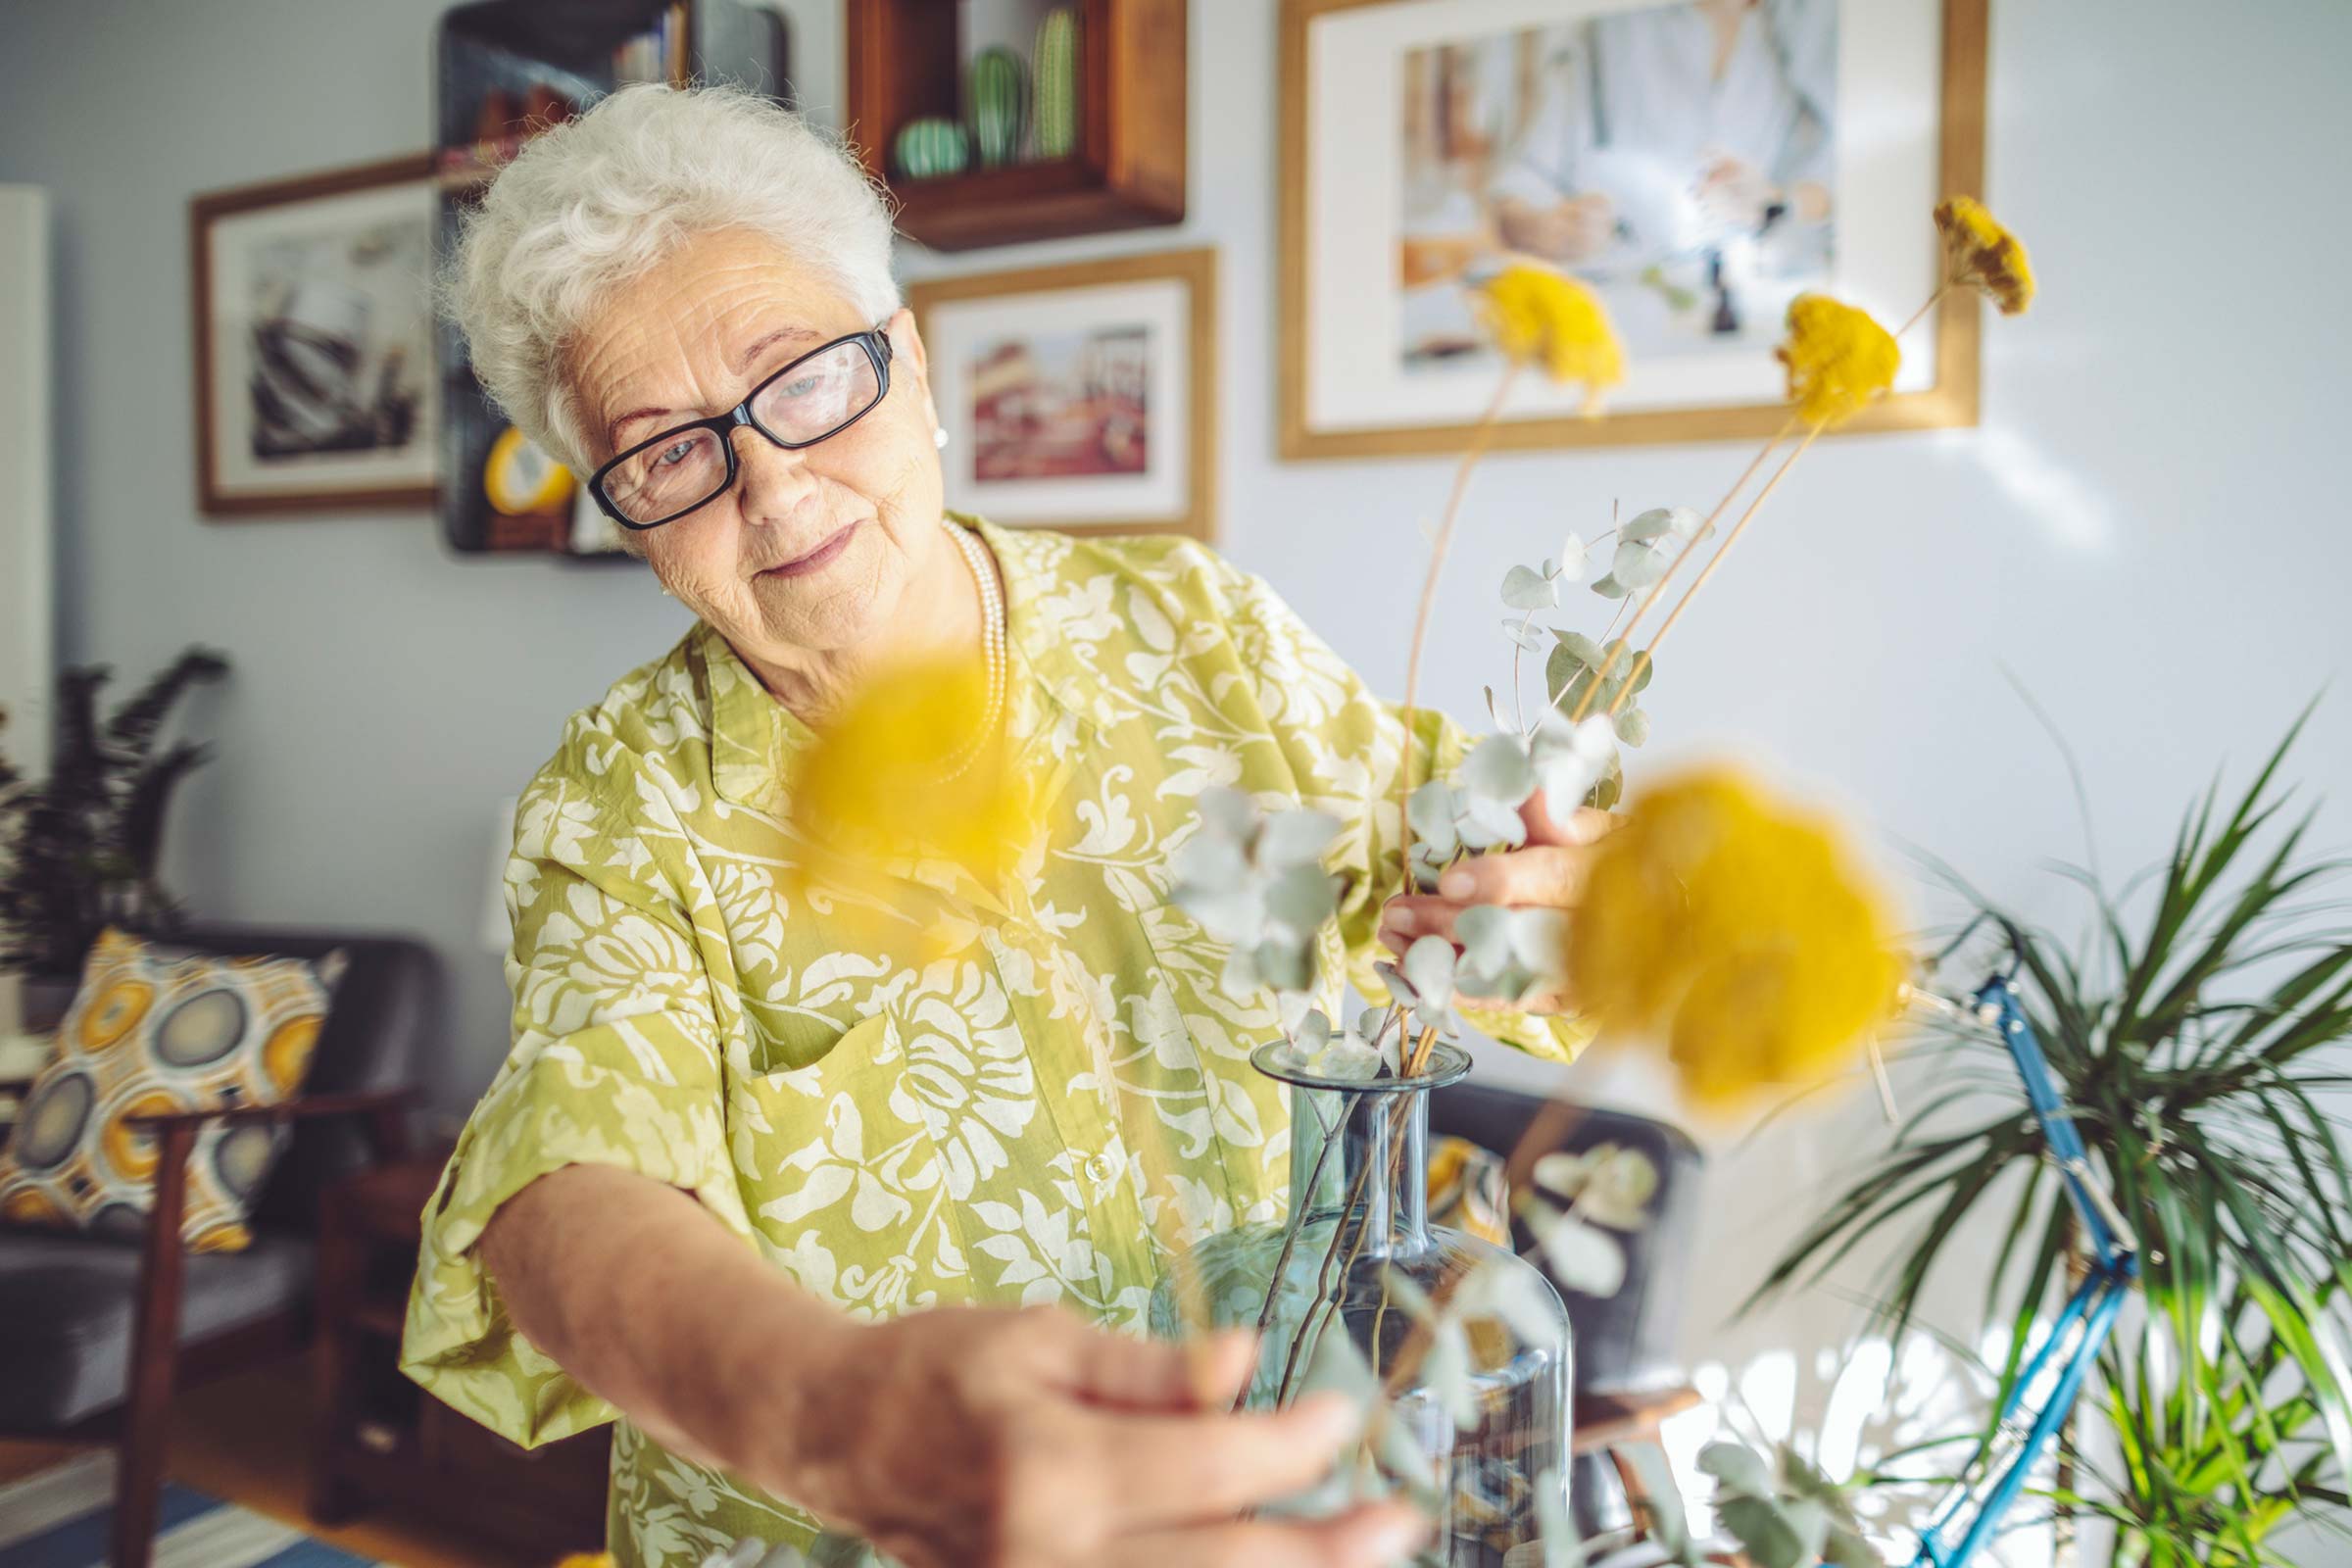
979	1438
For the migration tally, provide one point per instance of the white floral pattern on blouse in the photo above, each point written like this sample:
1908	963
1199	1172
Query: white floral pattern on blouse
1037	1115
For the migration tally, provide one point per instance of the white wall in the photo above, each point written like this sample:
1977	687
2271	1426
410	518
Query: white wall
2148	530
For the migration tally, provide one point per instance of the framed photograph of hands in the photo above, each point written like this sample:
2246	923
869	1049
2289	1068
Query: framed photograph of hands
1698	162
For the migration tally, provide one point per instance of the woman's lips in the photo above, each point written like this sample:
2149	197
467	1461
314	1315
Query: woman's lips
801	565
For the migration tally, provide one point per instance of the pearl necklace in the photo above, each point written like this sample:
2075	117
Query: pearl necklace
992	641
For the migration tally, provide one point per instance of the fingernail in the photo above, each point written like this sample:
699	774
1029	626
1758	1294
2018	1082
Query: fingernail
1456	883
1399	918
1330	1418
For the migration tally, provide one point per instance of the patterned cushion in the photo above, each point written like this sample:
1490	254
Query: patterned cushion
152	1032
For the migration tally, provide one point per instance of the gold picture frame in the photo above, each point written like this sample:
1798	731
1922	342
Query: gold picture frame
1166	294
1952	399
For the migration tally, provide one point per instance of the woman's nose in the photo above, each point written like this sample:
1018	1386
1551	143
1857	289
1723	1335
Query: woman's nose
773	482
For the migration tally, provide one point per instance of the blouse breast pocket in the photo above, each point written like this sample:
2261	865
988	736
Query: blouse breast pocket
842	1179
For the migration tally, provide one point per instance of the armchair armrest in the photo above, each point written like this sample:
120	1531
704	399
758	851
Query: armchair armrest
1603	1421
155	1333
384	1110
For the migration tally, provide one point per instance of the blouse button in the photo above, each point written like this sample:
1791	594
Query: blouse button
1100	1168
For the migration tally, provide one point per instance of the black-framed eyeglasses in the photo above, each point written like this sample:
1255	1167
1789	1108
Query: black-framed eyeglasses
820	394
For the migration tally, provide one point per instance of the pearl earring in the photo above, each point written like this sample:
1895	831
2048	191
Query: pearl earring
939	435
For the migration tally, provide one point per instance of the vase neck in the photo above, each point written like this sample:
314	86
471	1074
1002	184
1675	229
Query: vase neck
1375	1172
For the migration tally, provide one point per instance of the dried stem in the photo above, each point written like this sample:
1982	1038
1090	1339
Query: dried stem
1609	664
1716	559
1917	316
1480	439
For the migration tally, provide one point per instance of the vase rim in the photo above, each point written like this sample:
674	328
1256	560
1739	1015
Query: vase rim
1447	1063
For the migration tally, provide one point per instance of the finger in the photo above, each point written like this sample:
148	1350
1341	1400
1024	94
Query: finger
1110	1369
1162	1470
1416	914
1549	876
1373	1536
1584	825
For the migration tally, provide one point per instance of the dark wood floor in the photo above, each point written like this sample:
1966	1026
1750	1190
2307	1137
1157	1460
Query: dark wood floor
244	1438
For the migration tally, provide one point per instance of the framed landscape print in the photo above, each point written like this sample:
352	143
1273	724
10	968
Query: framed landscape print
1698	163
314	379
1079	397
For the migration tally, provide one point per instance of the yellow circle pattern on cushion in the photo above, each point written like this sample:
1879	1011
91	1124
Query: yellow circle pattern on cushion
27	1205
115	1014
286	1059
129	1151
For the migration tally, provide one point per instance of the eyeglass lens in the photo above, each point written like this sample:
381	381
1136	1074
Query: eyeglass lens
682	470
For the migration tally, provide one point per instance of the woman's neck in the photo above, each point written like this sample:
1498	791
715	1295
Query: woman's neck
938	614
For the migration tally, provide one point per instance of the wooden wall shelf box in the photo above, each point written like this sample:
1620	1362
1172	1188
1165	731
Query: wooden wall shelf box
906	59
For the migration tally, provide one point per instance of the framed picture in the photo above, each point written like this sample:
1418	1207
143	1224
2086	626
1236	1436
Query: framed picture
1698	164
1079	397
314	379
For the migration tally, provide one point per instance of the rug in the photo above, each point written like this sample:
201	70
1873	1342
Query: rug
59	1518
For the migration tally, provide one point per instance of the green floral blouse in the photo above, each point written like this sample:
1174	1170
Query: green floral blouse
1036	1116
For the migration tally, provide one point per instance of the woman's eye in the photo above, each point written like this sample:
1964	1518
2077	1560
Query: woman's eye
674	454
804	386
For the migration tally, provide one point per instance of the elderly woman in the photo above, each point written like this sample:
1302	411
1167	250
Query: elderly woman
836	1240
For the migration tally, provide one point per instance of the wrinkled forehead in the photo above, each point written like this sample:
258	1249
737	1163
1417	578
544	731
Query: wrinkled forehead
693	333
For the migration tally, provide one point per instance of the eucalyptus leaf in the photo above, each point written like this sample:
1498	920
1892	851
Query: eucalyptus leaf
1775	1534
1845	1546
1526	634
1311	1032
1227	813
1302	899
1632	725
1485	932
1488	824
1608	587
1348	1060
1430	809
1285	966
1494	709
829	1550
1295	837
1429	966
1524	588
1574	560
1587	1259
1555	1533
1497	771
1539	939
1741	1470
1669	1525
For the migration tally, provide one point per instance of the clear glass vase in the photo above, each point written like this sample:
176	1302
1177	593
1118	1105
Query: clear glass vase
1357	1256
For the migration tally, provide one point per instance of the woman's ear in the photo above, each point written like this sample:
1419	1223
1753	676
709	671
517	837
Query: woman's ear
907	343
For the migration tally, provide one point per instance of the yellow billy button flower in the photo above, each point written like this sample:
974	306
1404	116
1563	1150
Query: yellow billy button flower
1539	317
1839	358
1737	930
1979	253
902	777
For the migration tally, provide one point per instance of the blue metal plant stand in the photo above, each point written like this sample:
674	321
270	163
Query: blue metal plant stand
2045	1388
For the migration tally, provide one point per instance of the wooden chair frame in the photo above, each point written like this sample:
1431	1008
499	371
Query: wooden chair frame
159	1363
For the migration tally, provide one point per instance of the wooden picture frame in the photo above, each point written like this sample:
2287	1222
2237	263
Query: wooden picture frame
347	364
1954	38
1005	317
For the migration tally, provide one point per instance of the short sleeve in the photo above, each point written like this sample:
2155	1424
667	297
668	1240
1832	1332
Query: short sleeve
616	1061
1345	747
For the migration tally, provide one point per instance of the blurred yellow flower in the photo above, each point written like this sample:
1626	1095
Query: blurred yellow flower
1839	358
902	775
1741	931
587	1559
1979	253
1540	317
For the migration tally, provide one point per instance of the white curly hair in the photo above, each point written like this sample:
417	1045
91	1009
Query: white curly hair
593	204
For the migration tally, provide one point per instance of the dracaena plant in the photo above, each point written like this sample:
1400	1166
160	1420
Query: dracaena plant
82	848
2201	1035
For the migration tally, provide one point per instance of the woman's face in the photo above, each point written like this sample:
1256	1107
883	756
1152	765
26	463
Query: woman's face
810	550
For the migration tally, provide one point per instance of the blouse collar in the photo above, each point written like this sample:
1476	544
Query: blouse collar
752	736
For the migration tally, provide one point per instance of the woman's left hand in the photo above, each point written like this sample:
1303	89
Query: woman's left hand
1547	872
